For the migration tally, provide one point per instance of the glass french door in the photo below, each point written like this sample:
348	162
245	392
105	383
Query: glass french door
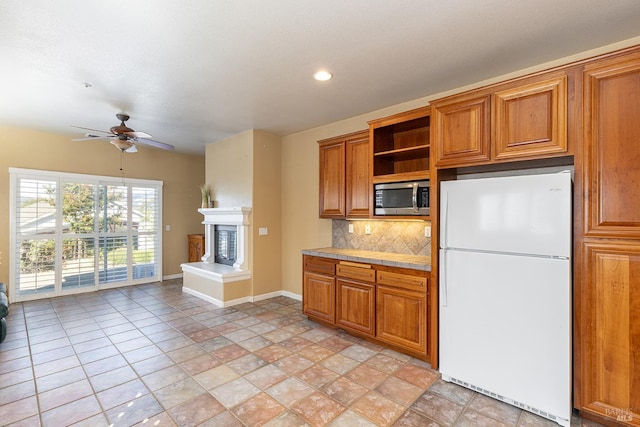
74	234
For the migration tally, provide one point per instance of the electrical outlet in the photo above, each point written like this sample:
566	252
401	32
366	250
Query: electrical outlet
263	231
167	227
350	228
367	229
427	231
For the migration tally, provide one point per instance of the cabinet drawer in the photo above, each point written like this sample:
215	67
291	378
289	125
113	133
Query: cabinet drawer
399	280
319	265
356	271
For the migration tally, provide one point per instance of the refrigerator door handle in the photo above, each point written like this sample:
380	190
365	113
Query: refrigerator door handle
444	201
443	278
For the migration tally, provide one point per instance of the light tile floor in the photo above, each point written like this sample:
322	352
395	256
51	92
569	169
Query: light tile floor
151	355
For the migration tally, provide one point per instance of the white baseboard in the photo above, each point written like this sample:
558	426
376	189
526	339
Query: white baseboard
266	296
172	276
202	296
237	301
291	295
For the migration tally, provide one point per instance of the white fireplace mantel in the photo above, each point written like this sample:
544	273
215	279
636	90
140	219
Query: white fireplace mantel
226	216
238	216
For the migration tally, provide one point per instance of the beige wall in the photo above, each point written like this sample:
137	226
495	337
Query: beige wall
302	228
244	171
182	175
229	170
266	258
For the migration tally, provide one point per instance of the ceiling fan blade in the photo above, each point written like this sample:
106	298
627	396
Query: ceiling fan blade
156	144
93	130
134	134
89	137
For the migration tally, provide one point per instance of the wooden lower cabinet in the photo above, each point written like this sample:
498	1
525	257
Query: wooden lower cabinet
387	305
401	318
196	247
355	306
319	296
609	343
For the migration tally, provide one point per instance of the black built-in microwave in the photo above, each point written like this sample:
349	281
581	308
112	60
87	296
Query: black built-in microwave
402	198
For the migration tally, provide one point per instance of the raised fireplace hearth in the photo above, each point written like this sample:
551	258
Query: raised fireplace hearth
223	274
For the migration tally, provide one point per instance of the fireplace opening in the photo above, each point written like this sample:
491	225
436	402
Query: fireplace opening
225	244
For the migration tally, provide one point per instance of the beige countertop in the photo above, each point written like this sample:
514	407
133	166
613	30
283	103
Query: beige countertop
416	262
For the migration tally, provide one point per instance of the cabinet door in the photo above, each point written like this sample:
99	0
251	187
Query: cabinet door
332	179
357	176
609	356
612	147
196	247
531	120
401	318
319	296
355	303
461	131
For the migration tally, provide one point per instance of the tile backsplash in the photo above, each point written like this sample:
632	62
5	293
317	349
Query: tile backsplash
402	237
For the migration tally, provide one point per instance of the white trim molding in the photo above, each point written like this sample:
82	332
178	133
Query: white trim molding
217	272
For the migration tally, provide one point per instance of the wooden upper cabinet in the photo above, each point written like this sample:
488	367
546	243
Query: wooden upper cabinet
612	147
461	131
357	191
531	119
332	179
344	176
519	120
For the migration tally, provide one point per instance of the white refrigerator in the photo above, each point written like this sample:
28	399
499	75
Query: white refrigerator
505	290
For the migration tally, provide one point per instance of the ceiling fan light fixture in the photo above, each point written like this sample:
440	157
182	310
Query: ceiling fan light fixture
122	144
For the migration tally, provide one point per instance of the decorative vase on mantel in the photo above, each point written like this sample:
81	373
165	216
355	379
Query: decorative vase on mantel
206	197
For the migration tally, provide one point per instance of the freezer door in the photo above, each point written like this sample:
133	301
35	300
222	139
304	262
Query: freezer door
505	327
518	214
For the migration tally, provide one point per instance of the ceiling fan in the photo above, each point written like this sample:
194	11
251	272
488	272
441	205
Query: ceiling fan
123	137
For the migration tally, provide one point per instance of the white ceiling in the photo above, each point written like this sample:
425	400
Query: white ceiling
190	72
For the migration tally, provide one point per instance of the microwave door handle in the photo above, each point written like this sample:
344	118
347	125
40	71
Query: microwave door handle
414	197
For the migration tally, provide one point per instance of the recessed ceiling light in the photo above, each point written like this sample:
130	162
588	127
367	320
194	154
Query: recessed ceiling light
323	76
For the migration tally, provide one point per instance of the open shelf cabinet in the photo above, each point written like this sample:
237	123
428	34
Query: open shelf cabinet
400	146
